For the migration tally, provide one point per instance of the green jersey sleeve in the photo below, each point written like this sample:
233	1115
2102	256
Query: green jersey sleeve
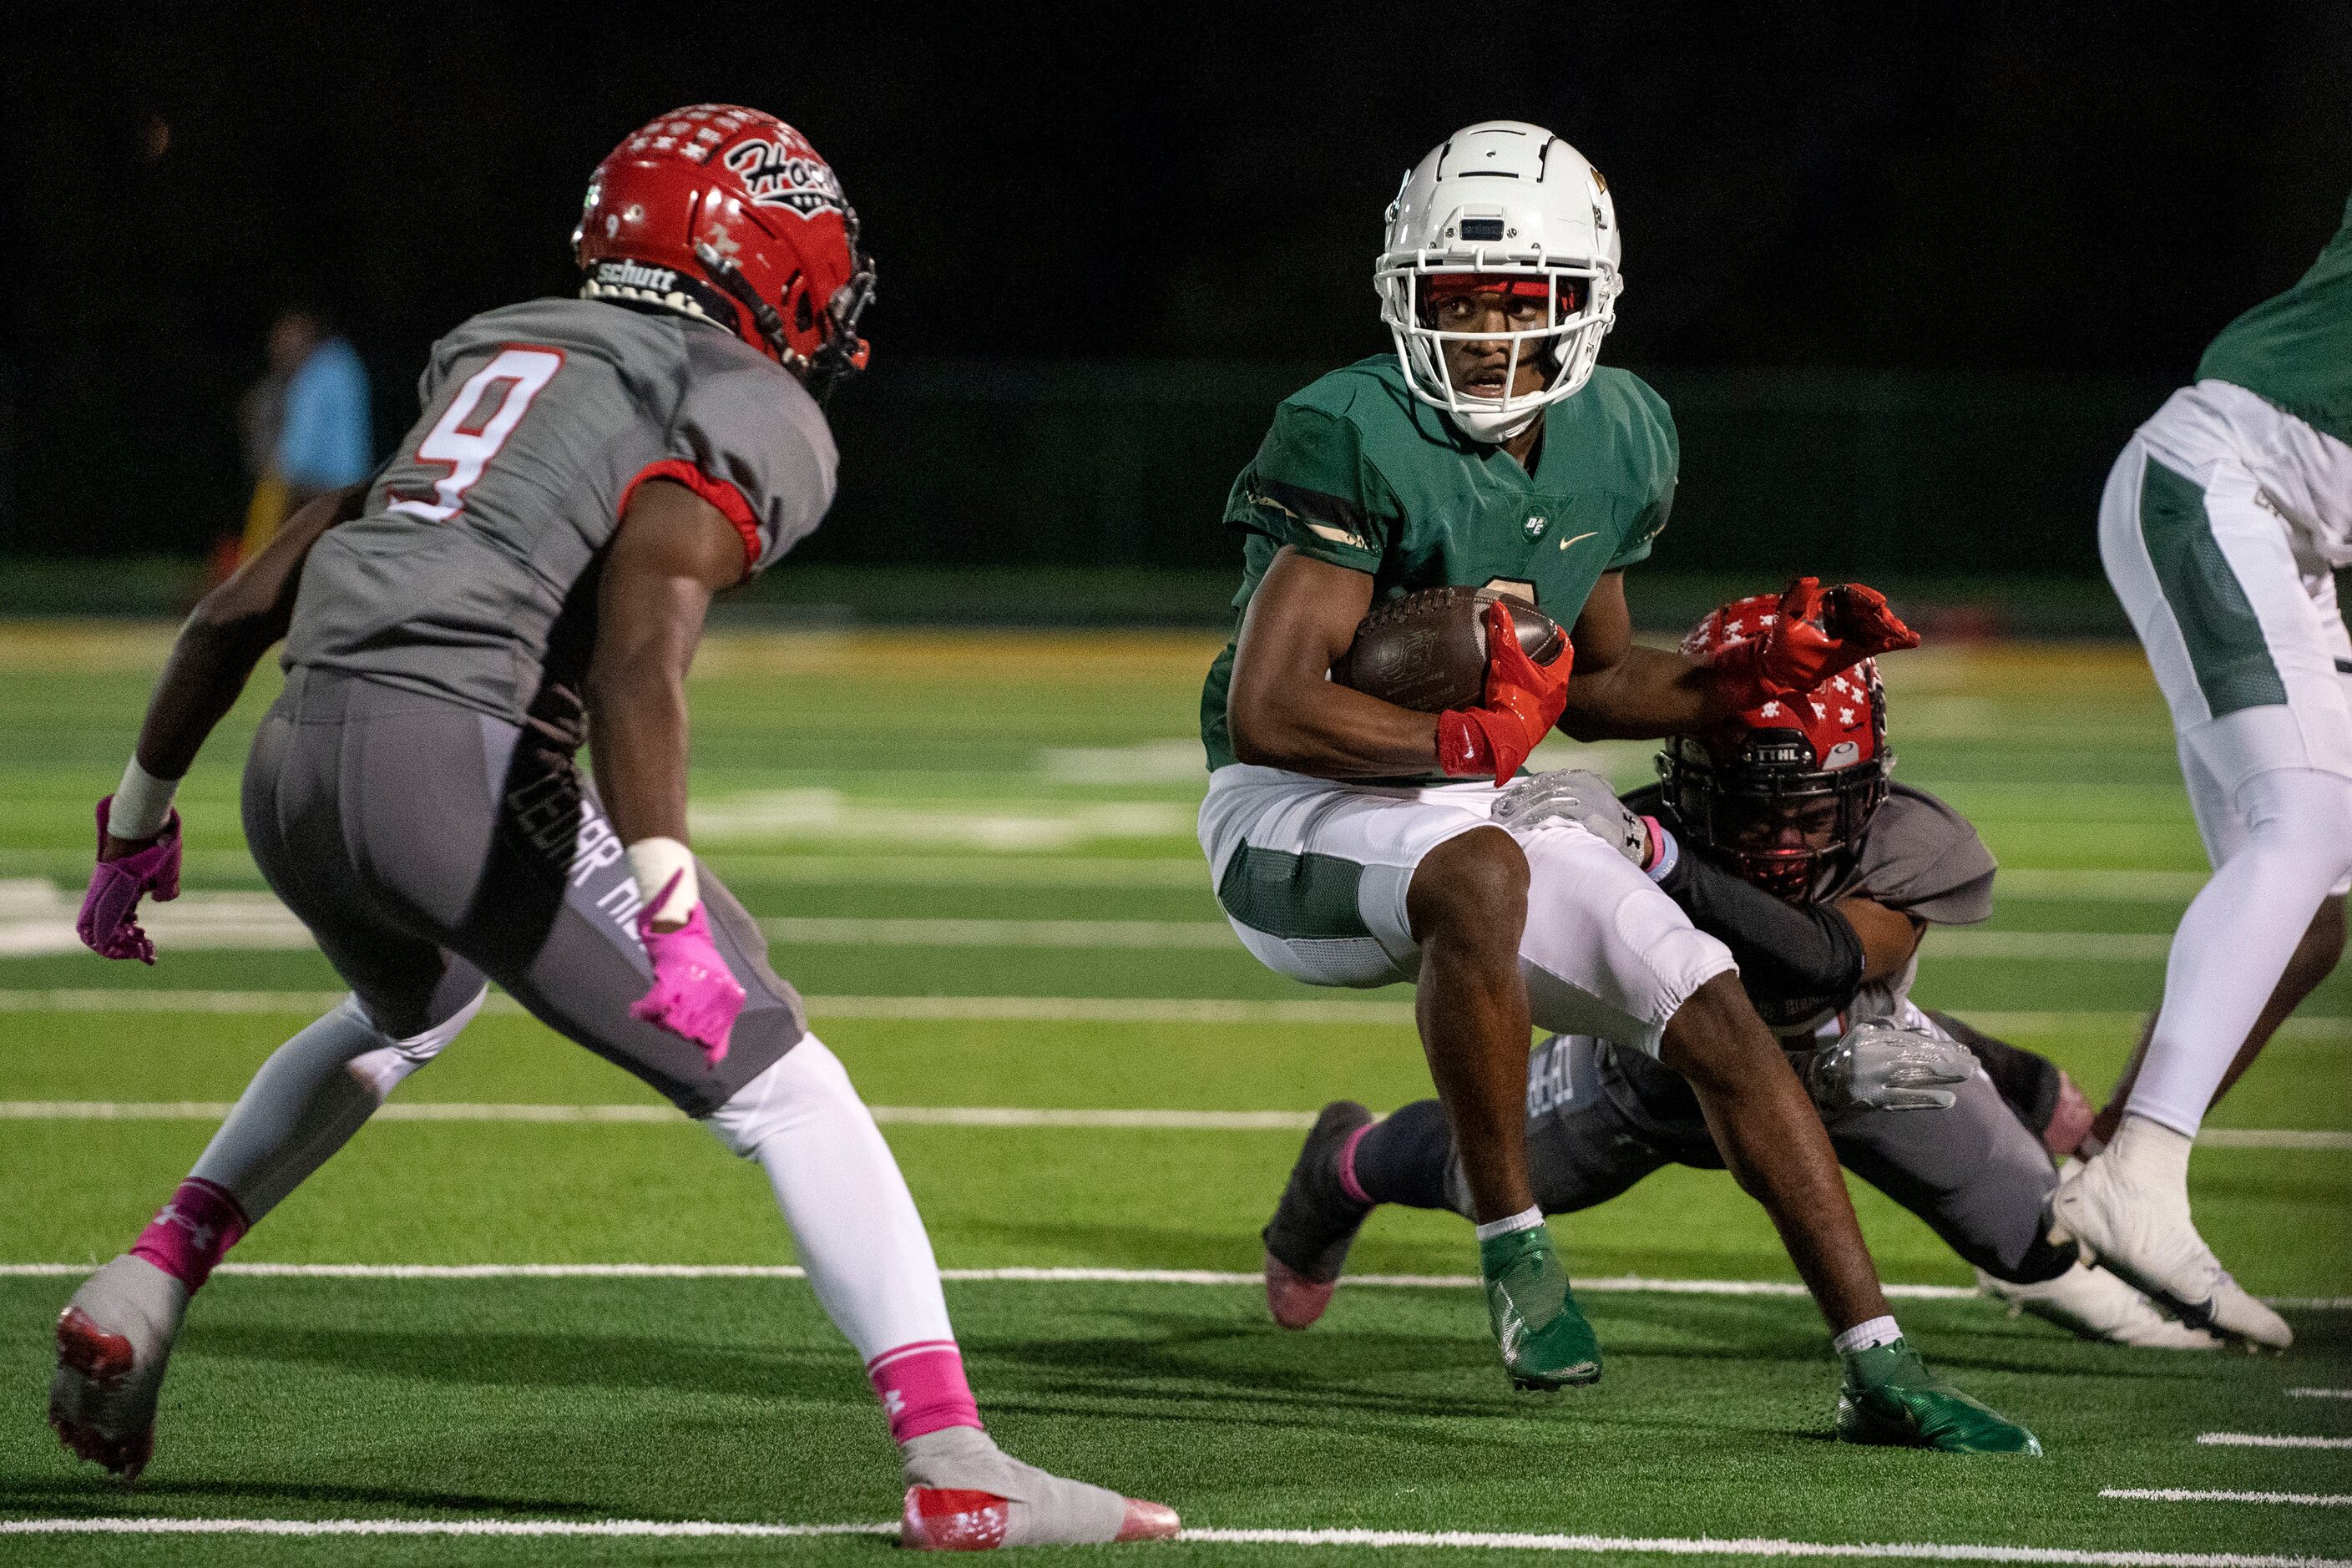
1311	488
1659	455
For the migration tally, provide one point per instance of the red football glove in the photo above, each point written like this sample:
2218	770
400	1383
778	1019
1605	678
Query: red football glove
1815	635
1524	700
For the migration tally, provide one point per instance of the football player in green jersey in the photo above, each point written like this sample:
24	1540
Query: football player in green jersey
1492	451
2221	528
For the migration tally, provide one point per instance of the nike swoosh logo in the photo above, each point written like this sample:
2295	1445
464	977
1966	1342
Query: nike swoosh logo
1566	542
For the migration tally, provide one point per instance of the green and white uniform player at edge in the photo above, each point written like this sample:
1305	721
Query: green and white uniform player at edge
1350	841
2221	528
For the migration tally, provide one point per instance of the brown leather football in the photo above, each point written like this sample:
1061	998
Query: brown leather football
1427	650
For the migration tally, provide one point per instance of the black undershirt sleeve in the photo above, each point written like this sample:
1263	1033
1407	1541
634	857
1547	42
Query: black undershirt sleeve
1786	952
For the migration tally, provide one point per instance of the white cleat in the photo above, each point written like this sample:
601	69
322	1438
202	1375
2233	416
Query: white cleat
114	1339
2096	1305
966	1494
2141	1232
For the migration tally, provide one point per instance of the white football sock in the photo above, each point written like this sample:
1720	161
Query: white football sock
2236	938
852	1221
309	1097
2156	1156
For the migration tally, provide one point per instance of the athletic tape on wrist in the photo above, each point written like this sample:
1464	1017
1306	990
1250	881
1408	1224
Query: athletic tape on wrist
654	862
142	804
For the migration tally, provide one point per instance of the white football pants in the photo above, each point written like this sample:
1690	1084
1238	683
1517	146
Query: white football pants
2218	527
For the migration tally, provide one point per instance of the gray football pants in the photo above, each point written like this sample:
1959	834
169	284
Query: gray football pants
1601	1118
427	846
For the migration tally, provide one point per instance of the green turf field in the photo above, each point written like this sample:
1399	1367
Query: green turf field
975	852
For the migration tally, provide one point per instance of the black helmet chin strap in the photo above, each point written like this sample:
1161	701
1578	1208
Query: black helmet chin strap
730	277
833	362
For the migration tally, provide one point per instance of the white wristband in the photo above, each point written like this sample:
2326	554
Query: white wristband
142	804
654	862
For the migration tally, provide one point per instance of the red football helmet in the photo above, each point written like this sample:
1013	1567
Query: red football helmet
1788	783
730	215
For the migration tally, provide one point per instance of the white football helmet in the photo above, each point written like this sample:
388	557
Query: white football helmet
1502	198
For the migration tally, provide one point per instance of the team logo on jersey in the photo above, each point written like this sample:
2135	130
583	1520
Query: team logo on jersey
786	172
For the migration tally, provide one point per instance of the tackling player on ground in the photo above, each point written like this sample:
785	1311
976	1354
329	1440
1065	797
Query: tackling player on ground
532	569
1490	451
1782	834
2222	529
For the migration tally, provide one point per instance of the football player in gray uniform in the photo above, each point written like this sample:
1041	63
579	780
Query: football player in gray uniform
531	570
1783	835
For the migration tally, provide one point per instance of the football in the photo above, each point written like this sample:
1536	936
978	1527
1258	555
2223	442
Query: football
1427	650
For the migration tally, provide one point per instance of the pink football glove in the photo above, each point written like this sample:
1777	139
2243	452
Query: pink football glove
109	924
693	994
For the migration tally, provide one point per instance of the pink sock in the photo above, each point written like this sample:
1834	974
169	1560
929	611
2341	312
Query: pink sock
922	1388
1348	1182
200	1224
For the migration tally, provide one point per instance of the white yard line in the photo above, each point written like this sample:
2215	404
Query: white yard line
1607	1545
2177	1494
909	1115
36	917
1028	1010
1752	1546
2050	946
695	1527
826	931
2272	1137
916	1009
664	1115
2319	1394
1605	1285
2099	887
1617	1285
2268	1440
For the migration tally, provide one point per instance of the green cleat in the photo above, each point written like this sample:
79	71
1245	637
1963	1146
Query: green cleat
1890	1397
1545	1343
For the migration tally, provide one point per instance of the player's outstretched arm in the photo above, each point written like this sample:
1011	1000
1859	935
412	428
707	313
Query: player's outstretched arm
674	552
231	629
1625	692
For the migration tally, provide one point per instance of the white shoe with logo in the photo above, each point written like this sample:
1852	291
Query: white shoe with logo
2140	1229
2096	1305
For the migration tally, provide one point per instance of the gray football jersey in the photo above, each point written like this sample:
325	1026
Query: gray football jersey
1918	856
472	572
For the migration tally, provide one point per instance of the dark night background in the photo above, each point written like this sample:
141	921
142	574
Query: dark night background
1908	273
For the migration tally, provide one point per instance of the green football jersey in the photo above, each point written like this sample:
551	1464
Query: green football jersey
1359	472
2295	351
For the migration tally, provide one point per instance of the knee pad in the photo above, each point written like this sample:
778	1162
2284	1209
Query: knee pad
805	1084
383	1067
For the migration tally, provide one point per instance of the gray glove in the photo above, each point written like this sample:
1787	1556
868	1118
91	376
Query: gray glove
1881	1066
1573	794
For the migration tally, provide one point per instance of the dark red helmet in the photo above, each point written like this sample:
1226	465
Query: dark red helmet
728	214
1788	784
